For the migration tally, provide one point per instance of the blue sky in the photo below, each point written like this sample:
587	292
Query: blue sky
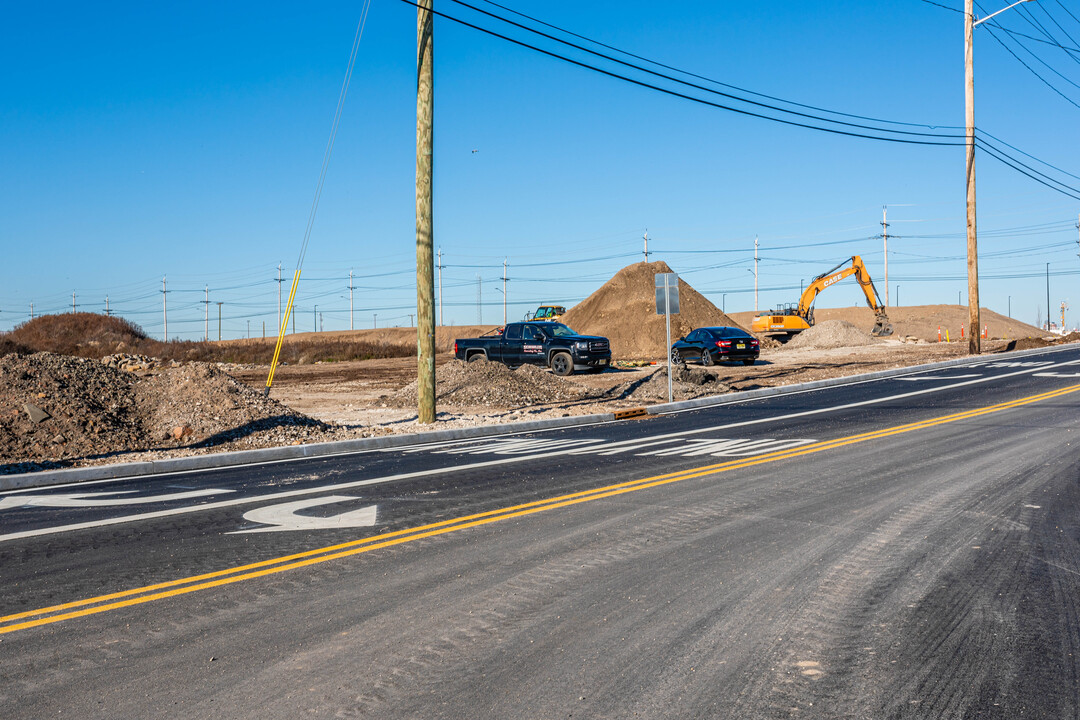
185	141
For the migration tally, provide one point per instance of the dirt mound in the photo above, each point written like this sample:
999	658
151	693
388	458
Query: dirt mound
83	334
492	384
924	321
1040	342
215	406
624	311
686	383
831	334
56	408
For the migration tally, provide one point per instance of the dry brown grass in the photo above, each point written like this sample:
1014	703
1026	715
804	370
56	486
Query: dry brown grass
94	336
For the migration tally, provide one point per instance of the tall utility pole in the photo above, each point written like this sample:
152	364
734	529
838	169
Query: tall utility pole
425	285
440	288
646	237
279	281
73	301
219	320
1047	297
479	301
108	313
350	302
755	273
31	309
206	314
504	291
885	238
974	346
165	306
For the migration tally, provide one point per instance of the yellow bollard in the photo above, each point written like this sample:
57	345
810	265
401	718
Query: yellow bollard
947	335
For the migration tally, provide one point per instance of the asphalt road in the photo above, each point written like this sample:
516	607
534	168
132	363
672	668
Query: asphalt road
896	548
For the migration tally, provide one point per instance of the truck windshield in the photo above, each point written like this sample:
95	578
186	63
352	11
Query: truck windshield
559	330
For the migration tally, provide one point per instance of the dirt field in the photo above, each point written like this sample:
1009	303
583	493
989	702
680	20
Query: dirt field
62	410
361	392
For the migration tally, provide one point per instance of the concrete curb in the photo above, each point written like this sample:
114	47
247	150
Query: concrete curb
341	447
717	400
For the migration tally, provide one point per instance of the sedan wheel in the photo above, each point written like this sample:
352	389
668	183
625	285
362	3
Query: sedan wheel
707	358
675	357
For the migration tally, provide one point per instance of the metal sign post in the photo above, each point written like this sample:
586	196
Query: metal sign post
667	302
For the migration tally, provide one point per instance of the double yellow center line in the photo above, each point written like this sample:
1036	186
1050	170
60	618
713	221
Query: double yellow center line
172	588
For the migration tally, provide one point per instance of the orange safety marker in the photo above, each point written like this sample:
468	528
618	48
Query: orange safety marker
939	333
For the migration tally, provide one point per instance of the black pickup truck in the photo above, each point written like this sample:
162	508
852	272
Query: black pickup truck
548	344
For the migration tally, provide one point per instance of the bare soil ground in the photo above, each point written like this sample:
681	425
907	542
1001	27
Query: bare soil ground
58	410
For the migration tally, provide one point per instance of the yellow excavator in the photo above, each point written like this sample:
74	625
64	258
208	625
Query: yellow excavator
791	319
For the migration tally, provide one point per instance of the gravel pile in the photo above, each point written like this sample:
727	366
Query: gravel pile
831	334
204	403
57	409
493	385
58	406
686	383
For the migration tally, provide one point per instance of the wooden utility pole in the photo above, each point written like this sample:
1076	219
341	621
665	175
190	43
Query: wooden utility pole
425	260
974	345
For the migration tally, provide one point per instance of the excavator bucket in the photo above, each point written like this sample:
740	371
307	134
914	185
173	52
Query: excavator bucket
882	326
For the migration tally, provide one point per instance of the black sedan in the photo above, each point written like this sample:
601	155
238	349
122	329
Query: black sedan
710	345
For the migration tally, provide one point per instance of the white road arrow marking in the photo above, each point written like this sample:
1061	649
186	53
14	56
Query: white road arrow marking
283	516
101	499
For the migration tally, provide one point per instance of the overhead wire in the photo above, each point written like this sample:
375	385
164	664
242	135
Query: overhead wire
694	85
705	78
703	101
1001	155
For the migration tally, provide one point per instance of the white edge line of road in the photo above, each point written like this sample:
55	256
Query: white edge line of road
472	466
345	447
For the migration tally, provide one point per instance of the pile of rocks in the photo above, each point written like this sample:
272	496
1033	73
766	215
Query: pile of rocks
686	383
831	334
56	409
493	385
135	363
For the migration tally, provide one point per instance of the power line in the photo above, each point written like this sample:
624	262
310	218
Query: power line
995	23
702	101
986	146
1030	69
1075	194
693	85
703	77
999	140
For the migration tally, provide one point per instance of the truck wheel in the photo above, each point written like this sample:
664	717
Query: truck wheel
562	364
706	358
474	357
